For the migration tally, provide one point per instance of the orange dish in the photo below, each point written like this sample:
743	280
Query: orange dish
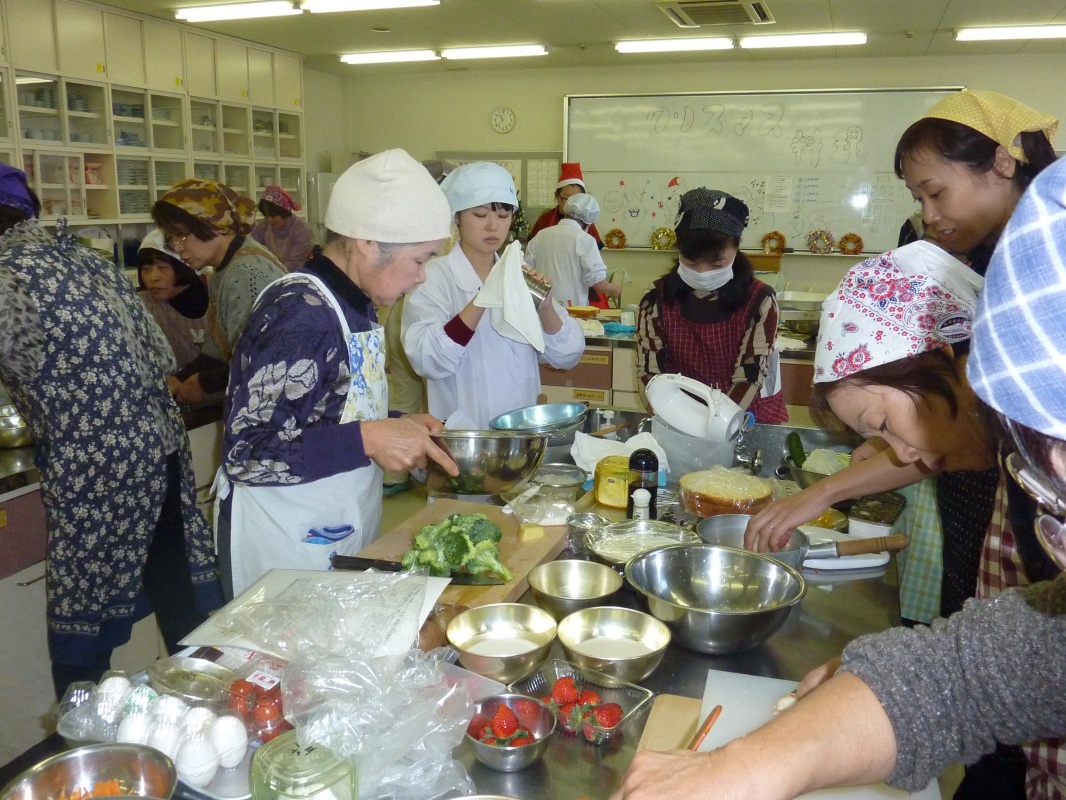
583	312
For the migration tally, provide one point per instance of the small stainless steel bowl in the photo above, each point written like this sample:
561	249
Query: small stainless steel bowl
533	715
716	600
805	478
502	641
619	642
140	771
14	432
490	462
563	587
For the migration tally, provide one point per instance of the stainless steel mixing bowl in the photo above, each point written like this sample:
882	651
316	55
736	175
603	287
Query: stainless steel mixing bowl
620	642
490	462
533	715
569	585
14	432
559	420
716	600
139	770
502	641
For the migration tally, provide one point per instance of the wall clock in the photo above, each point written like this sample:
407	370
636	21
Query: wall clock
503	119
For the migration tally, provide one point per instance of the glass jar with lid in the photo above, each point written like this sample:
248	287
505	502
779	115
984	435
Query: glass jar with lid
282	769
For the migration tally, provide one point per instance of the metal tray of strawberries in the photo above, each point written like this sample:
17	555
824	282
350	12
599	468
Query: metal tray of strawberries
630	697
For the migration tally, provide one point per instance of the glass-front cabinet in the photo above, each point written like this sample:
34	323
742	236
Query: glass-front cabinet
265	175
203	116
292	181
235	138
59	182
6	135
129	117
238	178
38	107
207	170
290	136
165	173
86	112
167	121
134	194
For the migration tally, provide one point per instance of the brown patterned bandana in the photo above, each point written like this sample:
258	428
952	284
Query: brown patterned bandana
213	203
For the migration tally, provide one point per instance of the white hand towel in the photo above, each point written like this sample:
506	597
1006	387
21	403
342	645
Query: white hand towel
512	312
587	451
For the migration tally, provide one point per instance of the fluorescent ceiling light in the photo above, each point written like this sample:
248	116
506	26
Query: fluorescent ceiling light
389	57
504	51
673	45
803	40
1017	32
328	6
274	8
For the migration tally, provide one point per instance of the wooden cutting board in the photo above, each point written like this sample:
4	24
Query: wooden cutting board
519	557
671	723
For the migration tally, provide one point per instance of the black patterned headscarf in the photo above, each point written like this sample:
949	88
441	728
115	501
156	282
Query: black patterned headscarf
709	209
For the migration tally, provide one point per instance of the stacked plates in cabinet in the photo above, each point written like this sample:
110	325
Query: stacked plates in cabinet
132	174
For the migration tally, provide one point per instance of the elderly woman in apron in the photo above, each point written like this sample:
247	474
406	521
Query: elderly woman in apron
308	431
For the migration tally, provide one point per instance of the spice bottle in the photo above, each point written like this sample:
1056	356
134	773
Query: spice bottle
643	474
641	503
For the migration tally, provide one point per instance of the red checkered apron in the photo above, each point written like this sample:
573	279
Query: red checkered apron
708	352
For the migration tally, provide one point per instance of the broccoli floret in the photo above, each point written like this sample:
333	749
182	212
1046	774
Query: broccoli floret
425	539
487	559
482	530
410	560
454	549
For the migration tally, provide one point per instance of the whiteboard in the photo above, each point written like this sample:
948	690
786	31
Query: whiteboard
802	160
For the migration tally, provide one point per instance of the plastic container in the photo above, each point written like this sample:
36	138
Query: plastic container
611	482
629	696
256	697
282	770
686	453
875	515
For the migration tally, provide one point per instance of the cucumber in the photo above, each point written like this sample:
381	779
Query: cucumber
795	449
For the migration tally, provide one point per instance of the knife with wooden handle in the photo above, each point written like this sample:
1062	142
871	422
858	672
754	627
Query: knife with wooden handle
458	578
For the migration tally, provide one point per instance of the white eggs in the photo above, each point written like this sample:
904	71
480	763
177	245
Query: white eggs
140	698
197	761
114	687
168	709
135	728
198	719
166	738
230	738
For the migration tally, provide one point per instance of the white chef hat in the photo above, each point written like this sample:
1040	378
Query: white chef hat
157	240
583	207
389	197
478	184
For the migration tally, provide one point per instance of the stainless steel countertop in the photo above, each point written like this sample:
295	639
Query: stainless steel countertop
838	607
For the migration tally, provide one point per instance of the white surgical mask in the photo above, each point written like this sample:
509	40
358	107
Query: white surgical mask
707	281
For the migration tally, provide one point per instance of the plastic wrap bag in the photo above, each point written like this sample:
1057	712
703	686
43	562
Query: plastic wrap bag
398	720
530	503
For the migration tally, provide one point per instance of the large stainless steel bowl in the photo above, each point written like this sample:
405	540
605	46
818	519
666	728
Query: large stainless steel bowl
140	771
558	420
490	462
716	600
14	432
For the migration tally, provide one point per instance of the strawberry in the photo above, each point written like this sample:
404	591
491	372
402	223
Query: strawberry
489	740
589	698
522	739
564	692
528	712
566	713
504	723
608	715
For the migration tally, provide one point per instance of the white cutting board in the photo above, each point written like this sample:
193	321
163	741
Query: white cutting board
748	703
821	535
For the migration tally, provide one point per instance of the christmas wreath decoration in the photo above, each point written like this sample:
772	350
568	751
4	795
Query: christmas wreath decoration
820	242
850	244
615	239
773	242
663	239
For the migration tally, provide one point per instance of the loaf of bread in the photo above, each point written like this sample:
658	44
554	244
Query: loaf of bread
723	491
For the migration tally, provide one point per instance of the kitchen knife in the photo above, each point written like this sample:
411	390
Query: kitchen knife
458	578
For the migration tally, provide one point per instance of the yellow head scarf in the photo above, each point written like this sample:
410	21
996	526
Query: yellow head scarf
214	203
997	116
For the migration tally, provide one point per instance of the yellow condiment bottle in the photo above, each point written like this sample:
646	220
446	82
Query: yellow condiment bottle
611	482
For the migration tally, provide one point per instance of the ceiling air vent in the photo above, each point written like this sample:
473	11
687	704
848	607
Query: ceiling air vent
697	13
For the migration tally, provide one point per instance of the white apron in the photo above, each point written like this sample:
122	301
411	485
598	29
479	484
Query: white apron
269	525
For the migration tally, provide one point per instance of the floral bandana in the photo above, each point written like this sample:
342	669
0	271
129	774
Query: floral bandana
907	301
280	198
213	203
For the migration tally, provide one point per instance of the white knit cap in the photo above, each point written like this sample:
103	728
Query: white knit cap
391	198
478	184
157	240
583	207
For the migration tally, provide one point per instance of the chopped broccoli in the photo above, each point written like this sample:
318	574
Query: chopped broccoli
461	540
487	559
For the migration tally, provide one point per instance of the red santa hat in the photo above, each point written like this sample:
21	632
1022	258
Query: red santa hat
570	173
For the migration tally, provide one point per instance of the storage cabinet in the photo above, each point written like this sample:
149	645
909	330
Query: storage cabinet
260	77
199	64
23	534
58	180
165	173
796	380
231	61
129	117
204	124
167	113
125	49
288	83
236	134
80	33
37	51
164	60
239	178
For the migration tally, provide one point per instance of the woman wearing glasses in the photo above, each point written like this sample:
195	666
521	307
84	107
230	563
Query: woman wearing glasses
207	225
921	699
